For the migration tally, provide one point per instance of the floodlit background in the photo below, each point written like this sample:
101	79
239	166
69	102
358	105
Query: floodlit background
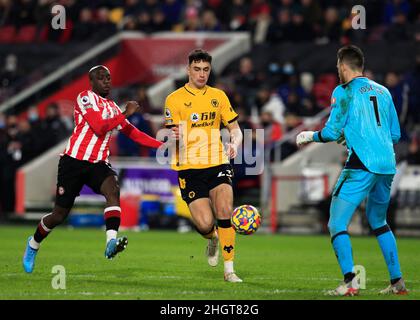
276	60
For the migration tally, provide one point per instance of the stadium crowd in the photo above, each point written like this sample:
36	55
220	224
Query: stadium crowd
277	98
273	20
270	21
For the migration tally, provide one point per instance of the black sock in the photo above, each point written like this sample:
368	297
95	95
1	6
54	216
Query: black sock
349	276
41	231
112	223
394	281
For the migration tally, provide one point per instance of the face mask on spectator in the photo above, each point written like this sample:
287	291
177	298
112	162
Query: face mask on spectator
33	116
288	69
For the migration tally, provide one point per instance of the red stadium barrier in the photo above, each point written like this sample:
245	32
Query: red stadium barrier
20	193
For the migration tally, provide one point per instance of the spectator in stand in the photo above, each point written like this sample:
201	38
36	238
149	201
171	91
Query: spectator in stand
312	13
307	82
9	74
274	105
209	21
330	30
11	159
246	82
413	156
261	98
272	129
301	30
143	100
393	8
369	74
260	21
85	26
238	15
36	128
291	5
280	28
273	132
21	13
132	8
27	139
42	13
412	79
129	148
238	101
52	127
415	29
293	103
172	10
144	22
159	22
398	31
257	8
243	119
400	90
292	84
395	87
126	147
5	7
129	23
150	5
221	10
305	107
104	27
192	19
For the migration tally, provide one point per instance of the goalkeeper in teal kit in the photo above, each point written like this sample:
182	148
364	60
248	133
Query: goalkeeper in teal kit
363	114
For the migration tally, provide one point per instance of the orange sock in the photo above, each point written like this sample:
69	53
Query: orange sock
227	239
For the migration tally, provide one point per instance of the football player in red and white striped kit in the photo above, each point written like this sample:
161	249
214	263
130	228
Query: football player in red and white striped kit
85	161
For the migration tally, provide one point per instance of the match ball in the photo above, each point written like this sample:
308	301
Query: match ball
246	219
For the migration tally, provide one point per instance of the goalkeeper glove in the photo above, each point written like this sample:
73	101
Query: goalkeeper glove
304	137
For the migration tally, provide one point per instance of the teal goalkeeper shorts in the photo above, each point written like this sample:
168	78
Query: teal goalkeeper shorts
354	185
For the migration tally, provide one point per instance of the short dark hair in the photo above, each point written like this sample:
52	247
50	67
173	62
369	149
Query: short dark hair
352	56
199	55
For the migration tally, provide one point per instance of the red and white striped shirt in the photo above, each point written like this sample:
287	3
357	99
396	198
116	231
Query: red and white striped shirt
94	118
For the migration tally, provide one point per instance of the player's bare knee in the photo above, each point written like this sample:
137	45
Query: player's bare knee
224	214
205	230
224	210
204	224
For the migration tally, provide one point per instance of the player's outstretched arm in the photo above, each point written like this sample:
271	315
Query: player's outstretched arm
304	137
236	138
139	137
333	130
93	115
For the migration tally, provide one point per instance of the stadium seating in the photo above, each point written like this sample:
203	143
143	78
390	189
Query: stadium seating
7	34
26	34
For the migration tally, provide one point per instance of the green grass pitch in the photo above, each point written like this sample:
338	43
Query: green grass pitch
161	265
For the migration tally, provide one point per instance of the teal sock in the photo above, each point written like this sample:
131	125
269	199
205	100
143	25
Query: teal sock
343	251
389	250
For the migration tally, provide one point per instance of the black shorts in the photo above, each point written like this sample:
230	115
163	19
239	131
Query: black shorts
74	173
196	183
